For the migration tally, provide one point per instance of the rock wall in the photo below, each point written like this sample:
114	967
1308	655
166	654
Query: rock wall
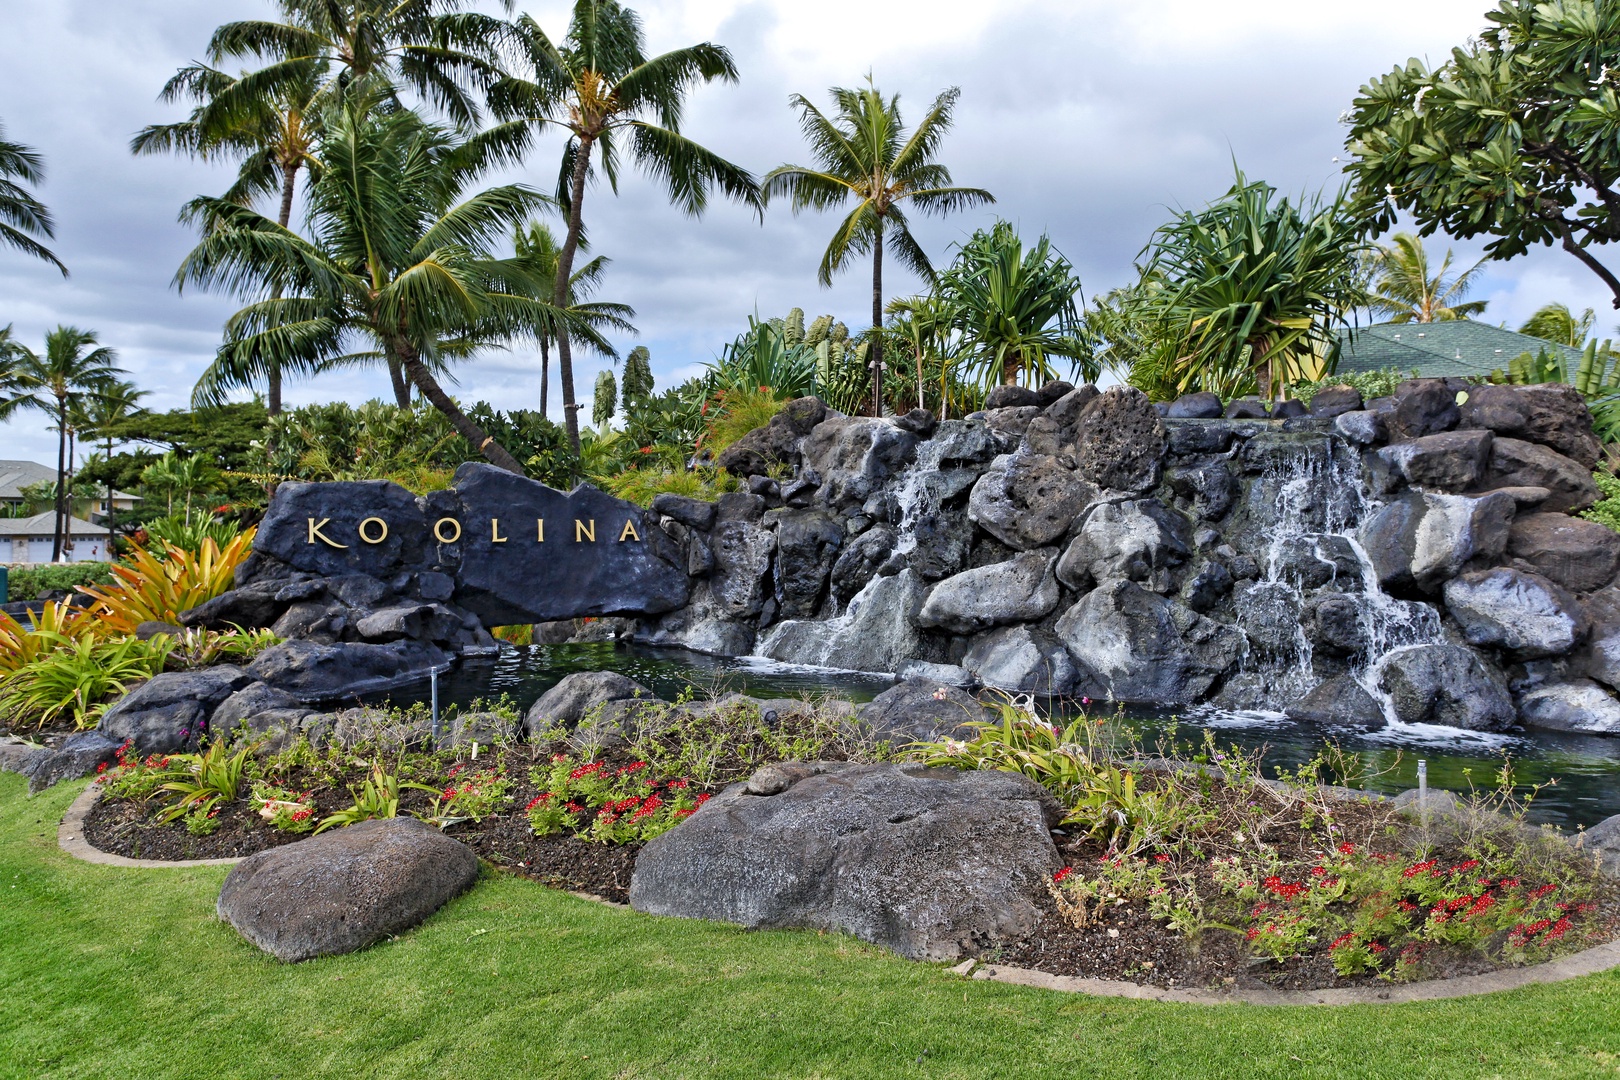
1412	559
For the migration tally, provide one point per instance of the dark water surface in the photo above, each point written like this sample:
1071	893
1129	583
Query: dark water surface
1586	768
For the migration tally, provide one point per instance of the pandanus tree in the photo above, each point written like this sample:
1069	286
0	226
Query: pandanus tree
863	154
270	126
396	265
599	87
23	218
1405	290
538	250
74	366
1015	307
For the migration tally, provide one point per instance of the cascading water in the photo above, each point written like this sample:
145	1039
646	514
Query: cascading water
1309	501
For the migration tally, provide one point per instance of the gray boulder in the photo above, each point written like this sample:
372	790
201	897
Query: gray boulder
1601	657
854	456
1053	432
776	443
939	674
704	625
1553	414
1335	401
1120	441
79	755
248	702
1022	589
1202	405
742	562
305	523
311	671
1028	500
877	632
1579	705
1604	840
345	889
1019	659
931	863
807	544
568	703
918	710
1011	422
1010	396
171	712
1246	409
1449	461
1423	407
1523	614
1339	702
1580	555
1426	538
1138	540
1210	489
1361	426
859	560
1445	685
251	607
1515	463
1142	647
694	513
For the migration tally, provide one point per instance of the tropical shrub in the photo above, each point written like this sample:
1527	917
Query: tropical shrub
204	780
75	677
1606	511
1372	384
471	795
158	586
286	810
189	534
596	801
196	648
376	797
20	645
31	582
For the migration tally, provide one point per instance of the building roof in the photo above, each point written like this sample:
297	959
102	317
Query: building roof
43	526
1461	347
16	475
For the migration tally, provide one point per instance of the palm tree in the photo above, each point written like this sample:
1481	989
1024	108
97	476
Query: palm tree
863	152
98	416
273	131
537	249
925	326
601	88
22	216
431	46
1403	289
1556	322
74	366
397	259
1016	308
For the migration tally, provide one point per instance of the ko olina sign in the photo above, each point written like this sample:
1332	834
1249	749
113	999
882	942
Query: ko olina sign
514	550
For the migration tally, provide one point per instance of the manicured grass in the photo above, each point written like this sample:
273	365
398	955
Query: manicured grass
127	973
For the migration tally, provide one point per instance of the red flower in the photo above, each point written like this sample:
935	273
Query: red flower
1341	941
1347	848
701	799
1062	874
1418	868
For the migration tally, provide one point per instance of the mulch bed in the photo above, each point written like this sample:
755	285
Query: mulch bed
1125	943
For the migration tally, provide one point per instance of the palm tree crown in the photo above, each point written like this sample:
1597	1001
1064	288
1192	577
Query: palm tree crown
22	216
1403	289
397	261
74	366
1556	322
864	153
599	86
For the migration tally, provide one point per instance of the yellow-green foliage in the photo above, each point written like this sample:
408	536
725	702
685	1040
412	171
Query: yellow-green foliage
640	485
1606	511
158	586
734	413
75	678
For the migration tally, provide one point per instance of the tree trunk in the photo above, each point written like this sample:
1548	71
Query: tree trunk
482	440
289	176
109	551
61	477
877	322
565	273
402	387
67	495
545	372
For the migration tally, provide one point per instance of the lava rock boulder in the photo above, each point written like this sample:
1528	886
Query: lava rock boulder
931	863
345	889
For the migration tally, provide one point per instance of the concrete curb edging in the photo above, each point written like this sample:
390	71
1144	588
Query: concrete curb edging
1588	962
70	838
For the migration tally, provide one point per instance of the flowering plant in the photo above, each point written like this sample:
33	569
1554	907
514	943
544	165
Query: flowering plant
471	796
600	802
284	809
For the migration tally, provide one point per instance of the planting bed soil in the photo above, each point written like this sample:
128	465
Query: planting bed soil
1121	939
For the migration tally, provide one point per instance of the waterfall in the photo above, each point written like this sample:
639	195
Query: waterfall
914	494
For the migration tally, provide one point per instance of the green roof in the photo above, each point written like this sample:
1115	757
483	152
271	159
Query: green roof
1440	349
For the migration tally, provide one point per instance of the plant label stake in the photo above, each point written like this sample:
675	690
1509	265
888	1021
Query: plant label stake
433	681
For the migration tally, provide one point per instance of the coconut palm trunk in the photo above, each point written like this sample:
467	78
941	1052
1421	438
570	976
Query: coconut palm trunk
877	320
61	475
482	441
559	296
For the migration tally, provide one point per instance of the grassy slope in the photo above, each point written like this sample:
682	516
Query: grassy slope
108	972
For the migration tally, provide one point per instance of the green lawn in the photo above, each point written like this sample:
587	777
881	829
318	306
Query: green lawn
126	973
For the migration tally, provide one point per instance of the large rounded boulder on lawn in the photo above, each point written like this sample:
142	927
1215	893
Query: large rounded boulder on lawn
928	862
343	890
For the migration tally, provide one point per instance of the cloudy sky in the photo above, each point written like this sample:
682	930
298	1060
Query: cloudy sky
1088	120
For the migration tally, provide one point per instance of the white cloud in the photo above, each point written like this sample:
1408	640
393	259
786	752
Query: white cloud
1087	119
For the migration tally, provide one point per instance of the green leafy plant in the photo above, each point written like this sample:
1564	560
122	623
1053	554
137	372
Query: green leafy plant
31	582
195	648
205	780
134	777
1606	511
376	797
607	804
470	796
75	678
286	810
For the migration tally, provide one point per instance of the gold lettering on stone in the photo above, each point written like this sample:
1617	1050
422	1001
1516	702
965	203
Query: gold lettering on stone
380	537
316	534
439	530
540	530
495	536
629	531
584	530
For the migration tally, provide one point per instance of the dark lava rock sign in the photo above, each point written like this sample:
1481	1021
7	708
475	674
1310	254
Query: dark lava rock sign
517	550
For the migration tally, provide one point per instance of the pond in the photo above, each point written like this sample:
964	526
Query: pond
1582	773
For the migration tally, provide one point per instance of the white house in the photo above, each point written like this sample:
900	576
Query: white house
16	475
29	540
